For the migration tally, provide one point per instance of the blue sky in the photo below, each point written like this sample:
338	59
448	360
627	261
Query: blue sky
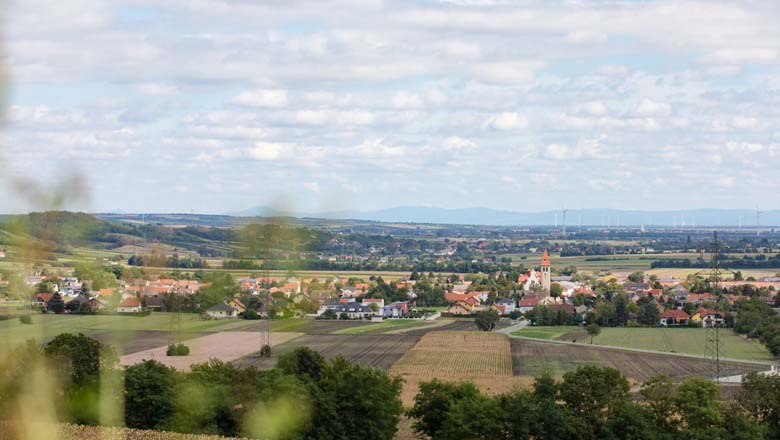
218	105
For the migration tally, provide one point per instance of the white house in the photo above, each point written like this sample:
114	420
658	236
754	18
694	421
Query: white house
129	305
221	311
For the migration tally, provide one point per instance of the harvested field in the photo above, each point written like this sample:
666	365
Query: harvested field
380	351
133	342
531	358
225	346
482	358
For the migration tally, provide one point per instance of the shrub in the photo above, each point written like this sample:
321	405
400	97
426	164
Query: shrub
265	351
25	319
178	350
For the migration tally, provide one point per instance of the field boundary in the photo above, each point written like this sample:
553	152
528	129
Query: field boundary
639	350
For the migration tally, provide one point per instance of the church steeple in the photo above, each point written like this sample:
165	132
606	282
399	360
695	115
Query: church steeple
546	279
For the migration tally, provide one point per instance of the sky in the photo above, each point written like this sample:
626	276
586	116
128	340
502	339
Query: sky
218	106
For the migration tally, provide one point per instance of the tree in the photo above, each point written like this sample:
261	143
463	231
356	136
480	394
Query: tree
593	329
56	304
591	394
80	356
556	290
696	401
487	320
445	410
637	277
760	397
342	410
649	314
149	395
302	362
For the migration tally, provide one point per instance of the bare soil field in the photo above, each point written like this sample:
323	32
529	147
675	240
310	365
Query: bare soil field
531	358
479	357
225	346
380	351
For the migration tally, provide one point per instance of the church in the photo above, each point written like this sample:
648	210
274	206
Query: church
541	279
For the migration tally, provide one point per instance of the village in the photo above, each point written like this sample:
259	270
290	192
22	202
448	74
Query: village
537	296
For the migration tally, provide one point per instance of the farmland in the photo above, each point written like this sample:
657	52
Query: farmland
484	358
380	351
670	340
226	346
531	358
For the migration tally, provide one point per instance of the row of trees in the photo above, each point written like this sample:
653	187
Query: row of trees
595	403
756	319
305	397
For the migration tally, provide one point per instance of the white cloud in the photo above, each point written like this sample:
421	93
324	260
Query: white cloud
647	107
268	151
507	121
157	89
456	143
272	98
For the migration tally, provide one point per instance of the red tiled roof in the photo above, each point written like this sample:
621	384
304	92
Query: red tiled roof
529	302
130	302
675	313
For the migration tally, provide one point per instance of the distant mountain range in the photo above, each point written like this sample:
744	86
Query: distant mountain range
495	217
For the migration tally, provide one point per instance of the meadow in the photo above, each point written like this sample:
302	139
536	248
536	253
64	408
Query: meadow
690	341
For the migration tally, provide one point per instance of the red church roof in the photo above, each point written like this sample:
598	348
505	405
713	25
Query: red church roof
546	259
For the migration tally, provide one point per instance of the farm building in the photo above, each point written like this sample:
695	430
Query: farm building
221	311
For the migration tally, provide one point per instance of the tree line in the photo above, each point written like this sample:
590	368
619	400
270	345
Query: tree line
595	403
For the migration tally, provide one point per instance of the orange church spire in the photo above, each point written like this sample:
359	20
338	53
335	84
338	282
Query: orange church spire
546	259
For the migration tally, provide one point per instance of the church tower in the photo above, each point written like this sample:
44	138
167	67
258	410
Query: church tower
546	280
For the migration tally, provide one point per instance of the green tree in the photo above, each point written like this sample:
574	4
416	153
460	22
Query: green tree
487	320
56	304
149	395
591	394
696	401
593	329
302	362
342	411
637	277
556	290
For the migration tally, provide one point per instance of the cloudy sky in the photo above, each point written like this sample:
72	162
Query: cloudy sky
220	105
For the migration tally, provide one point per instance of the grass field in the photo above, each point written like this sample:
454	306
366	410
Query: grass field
532	358
671	340
544	332
47	326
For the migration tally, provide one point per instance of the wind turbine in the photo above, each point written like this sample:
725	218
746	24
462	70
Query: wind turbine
758	222
564	220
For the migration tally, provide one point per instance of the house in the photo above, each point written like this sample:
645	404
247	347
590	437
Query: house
2	253
42	299
674	317
461	308
221	311
238	305
459	297
508	305
528	304
380	304
129	305
394	310
354	310
708	318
